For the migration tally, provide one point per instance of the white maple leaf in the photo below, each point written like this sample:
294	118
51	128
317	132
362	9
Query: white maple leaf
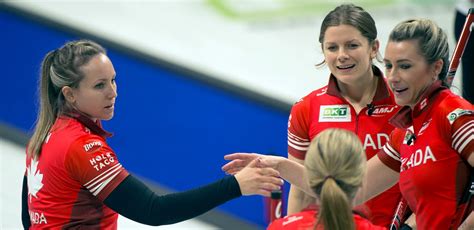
35	179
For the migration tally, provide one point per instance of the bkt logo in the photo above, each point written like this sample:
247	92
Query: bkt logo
335	112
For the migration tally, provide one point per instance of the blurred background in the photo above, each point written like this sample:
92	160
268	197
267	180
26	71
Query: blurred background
197	79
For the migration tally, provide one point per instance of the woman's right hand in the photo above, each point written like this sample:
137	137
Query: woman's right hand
240	160
255	178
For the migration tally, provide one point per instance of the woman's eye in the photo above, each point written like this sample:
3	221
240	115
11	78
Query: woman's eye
99	86
388	66
332	48
405	66
353	46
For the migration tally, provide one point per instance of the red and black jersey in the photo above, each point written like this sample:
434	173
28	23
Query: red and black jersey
307	219
430	148
72	176
326	108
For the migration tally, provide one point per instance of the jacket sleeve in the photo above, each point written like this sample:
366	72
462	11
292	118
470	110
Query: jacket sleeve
136	201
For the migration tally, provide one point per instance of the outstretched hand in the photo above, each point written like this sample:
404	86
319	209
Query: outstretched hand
239	160
255	179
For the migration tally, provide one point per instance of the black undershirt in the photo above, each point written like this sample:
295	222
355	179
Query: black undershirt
136	201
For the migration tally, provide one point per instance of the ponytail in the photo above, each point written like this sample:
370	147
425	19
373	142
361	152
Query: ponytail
335	207
335	165
47	111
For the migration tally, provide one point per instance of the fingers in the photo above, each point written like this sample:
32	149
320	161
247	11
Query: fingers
266	190
263	192
233	171
233	165
241	156
254	180
270	172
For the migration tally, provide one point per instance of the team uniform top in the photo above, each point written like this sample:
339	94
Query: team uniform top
326	108
307	219
73	175
430	148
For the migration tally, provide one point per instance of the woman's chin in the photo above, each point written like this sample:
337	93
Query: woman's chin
107	117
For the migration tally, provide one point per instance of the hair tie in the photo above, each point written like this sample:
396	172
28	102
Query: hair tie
327	177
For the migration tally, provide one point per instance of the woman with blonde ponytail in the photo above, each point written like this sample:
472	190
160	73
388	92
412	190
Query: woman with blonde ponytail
430	153
73	178
335	166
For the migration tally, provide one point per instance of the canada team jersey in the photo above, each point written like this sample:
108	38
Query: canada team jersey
306	220
429	148
326	108
73	175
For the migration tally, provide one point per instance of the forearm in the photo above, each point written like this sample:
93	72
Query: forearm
136	201
294	173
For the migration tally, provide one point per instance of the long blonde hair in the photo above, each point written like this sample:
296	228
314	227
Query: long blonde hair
60	67
335	164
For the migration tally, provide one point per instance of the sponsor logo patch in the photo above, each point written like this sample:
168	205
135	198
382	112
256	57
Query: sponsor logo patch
334	113
409	136
457	113
101	161
382	111
92	146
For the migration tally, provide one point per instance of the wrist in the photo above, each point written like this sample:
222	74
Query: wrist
279	163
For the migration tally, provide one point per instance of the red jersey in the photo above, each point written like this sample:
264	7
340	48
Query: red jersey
72	176
429	148
326	108
307	219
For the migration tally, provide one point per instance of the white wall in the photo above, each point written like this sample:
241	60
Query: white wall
269	46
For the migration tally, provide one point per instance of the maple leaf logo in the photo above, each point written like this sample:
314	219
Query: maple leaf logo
34	179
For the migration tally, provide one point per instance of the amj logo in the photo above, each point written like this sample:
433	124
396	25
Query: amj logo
381	111
334	113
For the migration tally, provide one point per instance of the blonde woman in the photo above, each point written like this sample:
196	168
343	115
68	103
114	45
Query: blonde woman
74	179
335	166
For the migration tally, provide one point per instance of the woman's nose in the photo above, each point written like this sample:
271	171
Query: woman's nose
342	55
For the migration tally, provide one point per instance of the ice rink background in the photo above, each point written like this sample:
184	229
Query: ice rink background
269	47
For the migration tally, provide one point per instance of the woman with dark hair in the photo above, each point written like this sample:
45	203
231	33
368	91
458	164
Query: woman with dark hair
430	152
356	98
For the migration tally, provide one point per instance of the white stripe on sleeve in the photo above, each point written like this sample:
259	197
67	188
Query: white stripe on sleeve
297	147
391	152
463	136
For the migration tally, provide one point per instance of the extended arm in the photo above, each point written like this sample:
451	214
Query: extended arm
132	199
291	171
296	197
136	201
377	179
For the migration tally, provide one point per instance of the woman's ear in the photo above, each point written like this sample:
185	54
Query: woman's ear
68	94
375	49
437	67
